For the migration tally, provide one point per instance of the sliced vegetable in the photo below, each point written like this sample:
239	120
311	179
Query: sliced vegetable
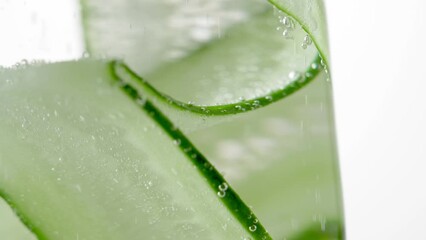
79	160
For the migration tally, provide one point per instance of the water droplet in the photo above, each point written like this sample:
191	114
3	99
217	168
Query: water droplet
190	103
304	45
314	66
82	119
253	228
256	220
223	187
238	107
221	194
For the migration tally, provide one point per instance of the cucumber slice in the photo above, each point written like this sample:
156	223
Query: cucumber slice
11	227
79	161
150	33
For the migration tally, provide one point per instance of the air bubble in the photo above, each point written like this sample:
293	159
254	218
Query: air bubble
294	75
221	194
286	33
307	40
177	142
288	23
24	62
85	55
253	228
223	187
141	101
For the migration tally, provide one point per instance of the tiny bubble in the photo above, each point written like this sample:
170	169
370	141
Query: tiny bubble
293	75
253	228
85	54
177	142
307	40
221	194
223	187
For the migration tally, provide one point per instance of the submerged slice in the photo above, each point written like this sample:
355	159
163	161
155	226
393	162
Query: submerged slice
80	161
11	227
149	33
282	160
248	66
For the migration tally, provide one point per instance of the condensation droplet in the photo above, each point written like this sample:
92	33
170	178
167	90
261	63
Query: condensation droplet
253	228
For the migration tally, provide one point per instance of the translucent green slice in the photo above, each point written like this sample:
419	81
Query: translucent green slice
310	14
11	228
251	63
147	34
79	160
282	160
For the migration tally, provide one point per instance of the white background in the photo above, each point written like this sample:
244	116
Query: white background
378	51
378	55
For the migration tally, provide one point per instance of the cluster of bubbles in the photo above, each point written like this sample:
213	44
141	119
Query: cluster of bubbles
307	41
287	27
222	190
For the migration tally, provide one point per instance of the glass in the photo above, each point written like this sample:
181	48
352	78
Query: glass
182	119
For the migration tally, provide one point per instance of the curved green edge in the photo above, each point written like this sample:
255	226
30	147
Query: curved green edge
231	199
319	63
22	217
122	70
83	13
305	28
